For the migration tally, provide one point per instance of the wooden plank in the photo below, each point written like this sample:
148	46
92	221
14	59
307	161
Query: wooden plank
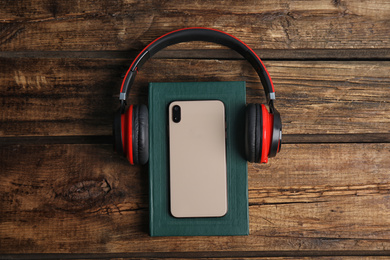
62	97
85	199
126	25
271	255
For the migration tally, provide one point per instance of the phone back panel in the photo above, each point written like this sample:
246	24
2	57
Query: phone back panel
197	152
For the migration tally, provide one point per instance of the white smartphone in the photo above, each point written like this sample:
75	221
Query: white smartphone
197	155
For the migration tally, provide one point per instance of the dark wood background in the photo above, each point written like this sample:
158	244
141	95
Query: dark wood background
65	193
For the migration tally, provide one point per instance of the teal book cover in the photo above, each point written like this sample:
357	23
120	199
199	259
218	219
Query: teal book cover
236	221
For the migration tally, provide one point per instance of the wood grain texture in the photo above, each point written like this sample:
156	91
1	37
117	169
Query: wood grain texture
62	97
85	199
126	25
271	255
65	194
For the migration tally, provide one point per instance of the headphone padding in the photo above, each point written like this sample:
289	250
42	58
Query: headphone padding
135	133
141	135
250	133
276	135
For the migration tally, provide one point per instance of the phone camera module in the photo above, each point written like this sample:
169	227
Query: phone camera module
176	114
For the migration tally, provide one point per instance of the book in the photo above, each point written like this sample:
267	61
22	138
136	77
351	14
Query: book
236	220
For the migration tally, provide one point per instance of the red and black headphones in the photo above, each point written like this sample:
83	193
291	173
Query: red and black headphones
263	125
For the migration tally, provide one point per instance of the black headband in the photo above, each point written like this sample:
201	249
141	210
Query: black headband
197	34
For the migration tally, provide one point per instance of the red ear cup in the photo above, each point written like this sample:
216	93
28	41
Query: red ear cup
268	120
127	133
260	130
131	134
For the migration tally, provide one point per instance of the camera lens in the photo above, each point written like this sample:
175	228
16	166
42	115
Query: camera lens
176	114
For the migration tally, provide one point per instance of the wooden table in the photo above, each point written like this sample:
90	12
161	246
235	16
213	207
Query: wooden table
65	193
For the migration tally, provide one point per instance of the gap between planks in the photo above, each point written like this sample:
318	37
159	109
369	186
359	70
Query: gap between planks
287	139
266	54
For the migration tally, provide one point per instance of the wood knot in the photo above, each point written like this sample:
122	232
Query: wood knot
53	7
82	195
87	190
336	3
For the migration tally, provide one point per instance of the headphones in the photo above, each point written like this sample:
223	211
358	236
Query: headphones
263	125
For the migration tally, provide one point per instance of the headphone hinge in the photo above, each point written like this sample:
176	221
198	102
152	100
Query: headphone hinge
271	105
123	106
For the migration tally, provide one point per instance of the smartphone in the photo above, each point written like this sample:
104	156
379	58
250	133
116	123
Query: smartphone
197	159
